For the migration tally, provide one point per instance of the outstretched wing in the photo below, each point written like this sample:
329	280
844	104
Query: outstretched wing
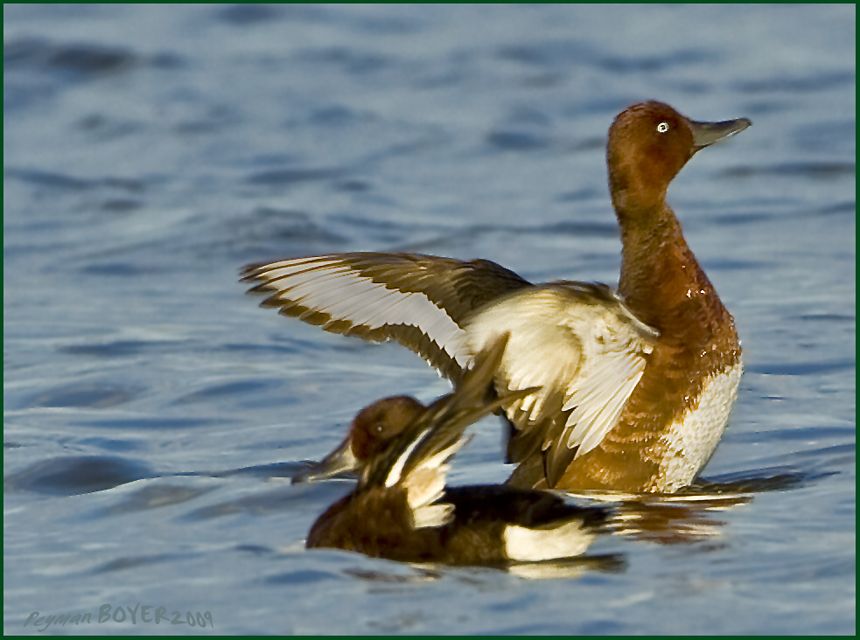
583	348
416	300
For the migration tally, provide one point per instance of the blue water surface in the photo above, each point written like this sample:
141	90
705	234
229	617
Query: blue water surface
152	409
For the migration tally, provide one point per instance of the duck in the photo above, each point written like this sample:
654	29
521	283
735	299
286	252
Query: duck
637	382
400	508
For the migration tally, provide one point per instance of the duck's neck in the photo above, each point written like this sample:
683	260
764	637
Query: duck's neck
661	280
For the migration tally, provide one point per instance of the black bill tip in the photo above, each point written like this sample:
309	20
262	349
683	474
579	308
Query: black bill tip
707	133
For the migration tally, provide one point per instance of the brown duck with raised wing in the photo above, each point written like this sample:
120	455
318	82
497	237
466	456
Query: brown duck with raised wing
636	384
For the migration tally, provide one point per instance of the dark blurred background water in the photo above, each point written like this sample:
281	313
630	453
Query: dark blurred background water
150	407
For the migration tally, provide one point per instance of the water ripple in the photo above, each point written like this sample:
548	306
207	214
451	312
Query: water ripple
814	170
817	81
517	140
287	177
83	59
351	61
801	368
55	180
73	475
156	496
95	395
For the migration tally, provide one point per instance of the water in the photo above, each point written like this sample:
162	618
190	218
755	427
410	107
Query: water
151	408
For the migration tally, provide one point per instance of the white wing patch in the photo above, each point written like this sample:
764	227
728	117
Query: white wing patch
607	379
568	340
328	285
425	483
540	351
535	545
397	468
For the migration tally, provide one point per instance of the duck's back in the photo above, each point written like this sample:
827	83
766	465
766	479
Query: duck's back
492	524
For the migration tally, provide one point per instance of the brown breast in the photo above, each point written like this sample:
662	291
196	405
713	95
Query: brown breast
665	287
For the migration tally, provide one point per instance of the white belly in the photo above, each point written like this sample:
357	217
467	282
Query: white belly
692	440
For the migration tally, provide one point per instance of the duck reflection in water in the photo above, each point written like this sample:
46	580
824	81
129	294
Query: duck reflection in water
401	510
690	515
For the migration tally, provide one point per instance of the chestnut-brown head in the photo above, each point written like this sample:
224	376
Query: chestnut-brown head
369	435
649	143
378	423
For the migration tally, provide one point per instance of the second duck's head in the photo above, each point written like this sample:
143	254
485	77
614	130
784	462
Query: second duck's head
370	432
380	422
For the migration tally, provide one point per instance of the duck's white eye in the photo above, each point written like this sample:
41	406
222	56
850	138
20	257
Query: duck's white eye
663	127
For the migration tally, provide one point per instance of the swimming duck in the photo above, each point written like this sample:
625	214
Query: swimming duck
636	383
400	508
